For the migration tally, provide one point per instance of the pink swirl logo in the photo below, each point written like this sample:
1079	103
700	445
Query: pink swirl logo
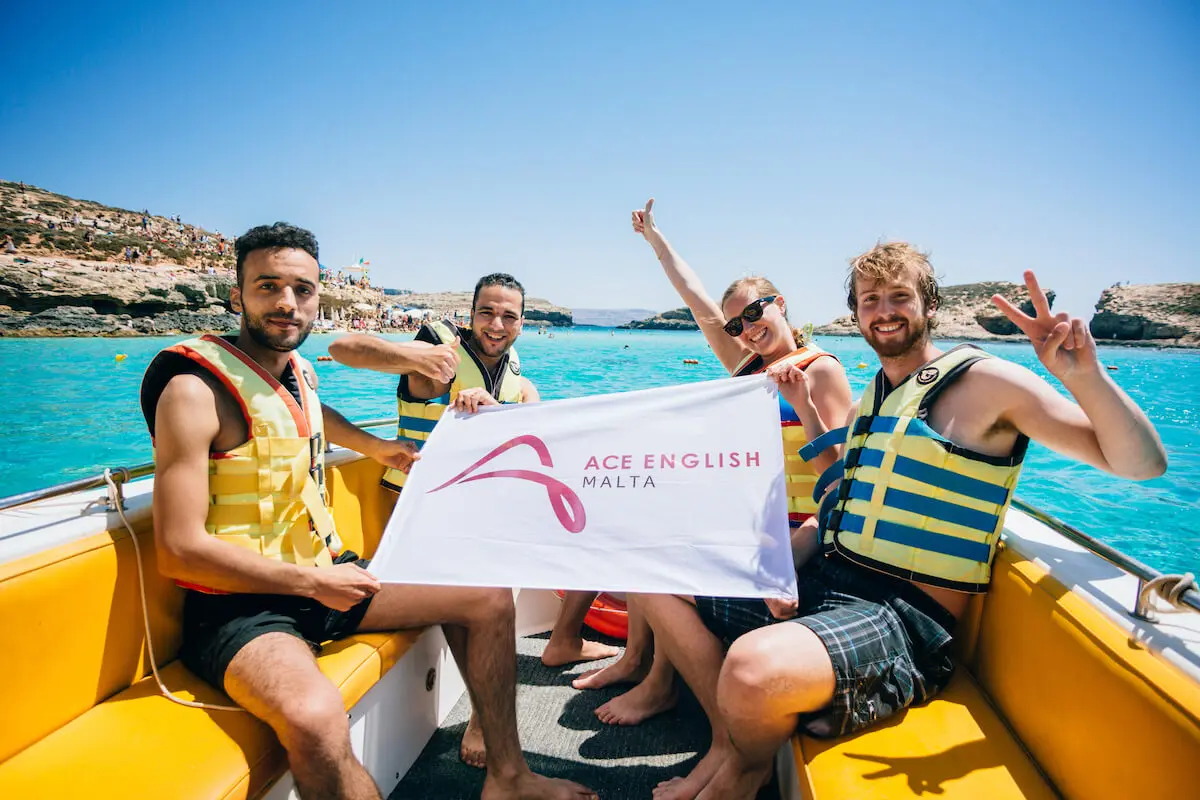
566	504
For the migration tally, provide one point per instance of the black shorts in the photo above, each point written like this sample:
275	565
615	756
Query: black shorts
889	642
217	626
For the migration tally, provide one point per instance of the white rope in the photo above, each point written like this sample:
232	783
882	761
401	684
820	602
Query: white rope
1168	587
117	501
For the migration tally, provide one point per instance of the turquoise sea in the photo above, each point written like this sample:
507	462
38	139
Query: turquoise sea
73	409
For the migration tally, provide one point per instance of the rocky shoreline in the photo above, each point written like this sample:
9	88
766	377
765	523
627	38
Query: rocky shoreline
1152	315
458	305
677	319
42	296
1149	315
47	296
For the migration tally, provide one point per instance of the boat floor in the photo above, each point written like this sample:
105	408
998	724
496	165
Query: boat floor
563	738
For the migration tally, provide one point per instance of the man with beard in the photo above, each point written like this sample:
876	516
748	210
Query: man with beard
242	522
445	367
908	528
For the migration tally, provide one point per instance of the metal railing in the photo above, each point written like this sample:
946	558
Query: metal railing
120	475
1142	572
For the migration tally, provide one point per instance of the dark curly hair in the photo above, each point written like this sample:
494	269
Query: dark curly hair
269	237
499	279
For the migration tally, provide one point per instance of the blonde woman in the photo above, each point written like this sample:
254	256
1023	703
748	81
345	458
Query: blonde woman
749	332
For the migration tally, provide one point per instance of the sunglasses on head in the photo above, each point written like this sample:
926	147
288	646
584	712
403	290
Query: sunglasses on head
751	313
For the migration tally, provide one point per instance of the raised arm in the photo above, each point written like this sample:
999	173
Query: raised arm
437	362
186	425
687	283
1106	429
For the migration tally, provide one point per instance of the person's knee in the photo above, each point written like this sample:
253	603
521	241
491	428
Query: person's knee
491	606
652	605
751	671
315	721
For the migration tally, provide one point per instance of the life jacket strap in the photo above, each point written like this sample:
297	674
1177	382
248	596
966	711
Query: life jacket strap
825	440
918	538
836	470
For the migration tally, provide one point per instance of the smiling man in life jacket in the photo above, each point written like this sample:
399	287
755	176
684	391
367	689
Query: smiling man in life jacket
241	520
444	367
909	525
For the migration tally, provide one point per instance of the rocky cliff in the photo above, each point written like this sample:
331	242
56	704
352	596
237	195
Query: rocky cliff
677	319
966	312
1161	313
64	272
45	296
62	297
449	304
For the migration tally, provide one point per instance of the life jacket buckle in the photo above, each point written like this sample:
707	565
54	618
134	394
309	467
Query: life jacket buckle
316	461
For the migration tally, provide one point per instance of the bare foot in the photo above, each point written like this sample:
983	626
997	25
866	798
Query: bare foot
626	670
534	787
559	654
638	704
736	781
472	752
689	787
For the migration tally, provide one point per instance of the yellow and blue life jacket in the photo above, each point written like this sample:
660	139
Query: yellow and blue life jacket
912	503
268	495
801	478
418	417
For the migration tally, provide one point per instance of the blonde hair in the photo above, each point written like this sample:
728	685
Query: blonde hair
764	288
887	260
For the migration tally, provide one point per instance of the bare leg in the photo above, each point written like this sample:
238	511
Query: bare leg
276	678
567	645
681	636
472	750
770	677
633	665
489	619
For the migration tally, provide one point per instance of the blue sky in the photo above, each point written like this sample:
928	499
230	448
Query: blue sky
443	141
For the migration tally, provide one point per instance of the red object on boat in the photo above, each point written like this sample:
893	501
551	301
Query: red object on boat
608	615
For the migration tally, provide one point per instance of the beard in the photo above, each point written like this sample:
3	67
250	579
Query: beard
916	331
279	341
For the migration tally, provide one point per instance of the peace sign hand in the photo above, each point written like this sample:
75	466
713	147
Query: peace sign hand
1063	343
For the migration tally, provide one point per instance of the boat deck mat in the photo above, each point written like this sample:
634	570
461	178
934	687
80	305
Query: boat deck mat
562	738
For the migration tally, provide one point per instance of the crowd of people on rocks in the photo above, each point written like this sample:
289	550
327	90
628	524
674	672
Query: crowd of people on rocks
161	232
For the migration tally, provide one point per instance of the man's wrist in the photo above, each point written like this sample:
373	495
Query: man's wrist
371	444
1084	381
308	582
403	357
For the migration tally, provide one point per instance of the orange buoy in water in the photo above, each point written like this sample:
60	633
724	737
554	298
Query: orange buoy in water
608	615
862	365
121	356
691	361
324	358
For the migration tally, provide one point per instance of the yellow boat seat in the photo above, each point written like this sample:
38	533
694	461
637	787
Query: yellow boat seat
83	718
139	744
954	746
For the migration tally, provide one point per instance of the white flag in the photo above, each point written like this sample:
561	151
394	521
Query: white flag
676	490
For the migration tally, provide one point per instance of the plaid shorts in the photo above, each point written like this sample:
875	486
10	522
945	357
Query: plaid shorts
889	642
